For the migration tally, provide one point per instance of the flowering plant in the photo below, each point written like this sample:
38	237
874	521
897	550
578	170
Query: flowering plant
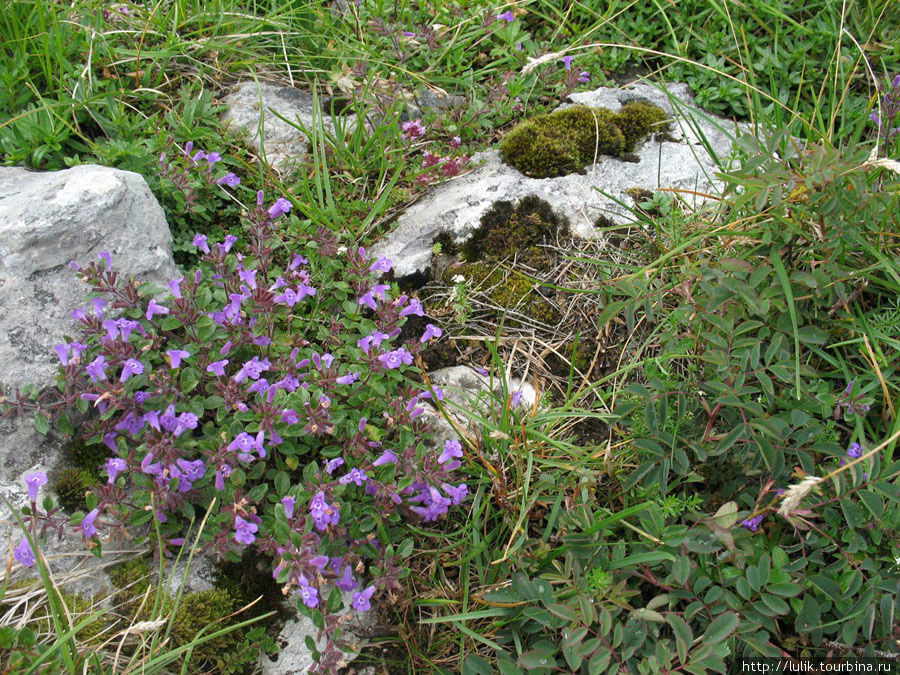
272	381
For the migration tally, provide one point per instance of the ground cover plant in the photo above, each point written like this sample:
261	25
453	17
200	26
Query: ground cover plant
710	469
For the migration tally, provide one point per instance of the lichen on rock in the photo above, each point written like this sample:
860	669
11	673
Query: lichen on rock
565	141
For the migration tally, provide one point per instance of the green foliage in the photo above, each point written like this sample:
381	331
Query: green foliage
567	140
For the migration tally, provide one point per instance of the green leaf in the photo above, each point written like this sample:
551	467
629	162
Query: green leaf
41	423
787	589
189	379
536	658
282	483
726	515
776	604
476	665
562	611
683	635
721	627
681	570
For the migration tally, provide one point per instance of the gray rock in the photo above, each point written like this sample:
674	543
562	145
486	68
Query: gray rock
257	108
456	207
48	220
294	657
430	100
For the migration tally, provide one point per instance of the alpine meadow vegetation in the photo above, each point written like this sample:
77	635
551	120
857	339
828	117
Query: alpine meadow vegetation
707	474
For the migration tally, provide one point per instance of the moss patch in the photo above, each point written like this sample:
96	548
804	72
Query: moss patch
510	290
507	230
566	141
71	486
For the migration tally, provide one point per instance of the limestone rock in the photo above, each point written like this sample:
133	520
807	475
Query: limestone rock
252	107
682	163
48	220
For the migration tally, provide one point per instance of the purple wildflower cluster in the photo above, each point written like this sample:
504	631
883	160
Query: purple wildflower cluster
182	169
254	360
446	166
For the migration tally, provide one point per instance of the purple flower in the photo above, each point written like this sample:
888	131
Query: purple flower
244	444
349	378
854	451
346	582
361	599
519	46
200	242
395	359
175	287
584	77
87	524
244	531
288	504
412	129
153	309
409	34
357	476
34	482
386	457
383	265
230	239
414	307
217	367
431	331
114	466
507	16
96	369
279	208
308	594
515	399
23	553
456	494
148	467
452	448
322	513
131	367
105	257
567	60
289	416
332	464
752	523
229	179
176	356
252	369
212	158
192	470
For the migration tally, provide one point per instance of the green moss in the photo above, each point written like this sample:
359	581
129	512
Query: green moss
566	141
89	457
636	120
132	577
71	486
507	230
508	289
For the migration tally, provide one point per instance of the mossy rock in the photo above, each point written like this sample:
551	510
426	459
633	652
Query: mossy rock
507	230
566	141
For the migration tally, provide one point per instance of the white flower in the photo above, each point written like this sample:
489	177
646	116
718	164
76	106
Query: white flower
458	279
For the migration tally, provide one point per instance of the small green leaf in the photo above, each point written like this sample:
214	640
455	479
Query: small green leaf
776	604
681	570
683	635
721	627
41	423
726	515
